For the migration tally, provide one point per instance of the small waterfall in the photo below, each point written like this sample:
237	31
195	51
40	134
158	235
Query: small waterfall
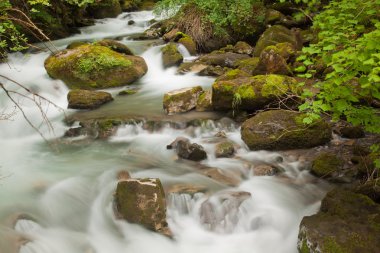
187	57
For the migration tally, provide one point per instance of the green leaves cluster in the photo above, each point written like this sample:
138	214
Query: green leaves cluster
348	46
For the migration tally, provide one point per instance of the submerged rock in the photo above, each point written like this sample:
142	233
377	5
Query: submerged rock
347	222
249	93
283	130
95	67
181	100
264	170
85	99
171	56
221	176
142	201
224	149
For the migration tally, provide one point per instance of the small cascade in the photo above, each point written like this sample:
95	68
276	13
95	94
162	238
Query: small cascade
187	57
183	203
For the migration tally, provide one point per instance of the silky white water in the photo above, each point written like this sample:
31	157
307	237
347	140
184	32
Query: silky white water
67	189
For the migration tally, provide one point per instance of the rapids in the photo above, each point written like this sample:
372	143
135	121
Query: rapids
67	187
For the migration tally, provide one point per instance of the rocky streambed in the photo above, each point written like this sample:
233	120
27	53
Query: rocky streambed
200	153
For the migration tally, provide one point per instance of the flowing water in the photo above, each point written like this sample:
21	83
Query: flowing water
59	199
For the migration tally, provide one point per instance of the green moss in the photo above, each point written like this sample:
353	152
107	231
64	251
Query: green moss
274	86
331	246
304	247
325	164
127	92
246	91
248	65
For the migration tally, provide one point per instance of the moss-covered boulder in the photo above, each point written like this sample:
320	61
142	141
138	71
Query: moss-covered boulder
242	47
250	93
223	59
105	8
127	92
85	99
224	149
277	34
181	100
273	59
142	201
189	43
326	165
115	46
171	56
204	102
95	67
347	223
75	44
248	65
283	130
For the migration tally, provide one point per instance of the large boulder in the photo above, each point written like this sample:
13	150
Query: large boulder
171	56
277	34
326	165
95	67
204	102
85	99
249	93
347	222
142	201
181	100
283	130
105	8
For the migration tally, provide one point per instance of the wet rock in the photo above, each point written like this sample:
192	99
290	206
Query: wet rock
213	71
277	34
204	102
171	35
187	150
347	222
193	67
123	175
85	99
127	92
182	100
171	56
104	9
283	130
221	134
186	189
222	59
371	189
115	46
95	67
142	201
131	22
75	44
250	93
74	132
326	165
273	16
220	213
264	170
189	43
221	176
224	149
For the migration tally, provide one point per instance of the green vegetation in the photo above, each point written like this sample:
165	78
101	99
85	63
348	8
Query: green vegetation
96	62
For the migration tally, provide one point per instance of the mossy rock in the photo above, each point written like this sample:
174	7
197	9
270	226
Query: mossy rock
352	132
325	165
250	93
181	100
204	102
130	5
233	74
142	201
277	34
189	43
283	130
127	92
171	56
105	9
115	46
220	58
242	47
248	65
95	67
85	99
273	16
347	223
76	44
224	149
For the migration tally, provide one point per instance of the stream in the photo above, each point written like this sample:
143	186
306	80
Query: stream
68	189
